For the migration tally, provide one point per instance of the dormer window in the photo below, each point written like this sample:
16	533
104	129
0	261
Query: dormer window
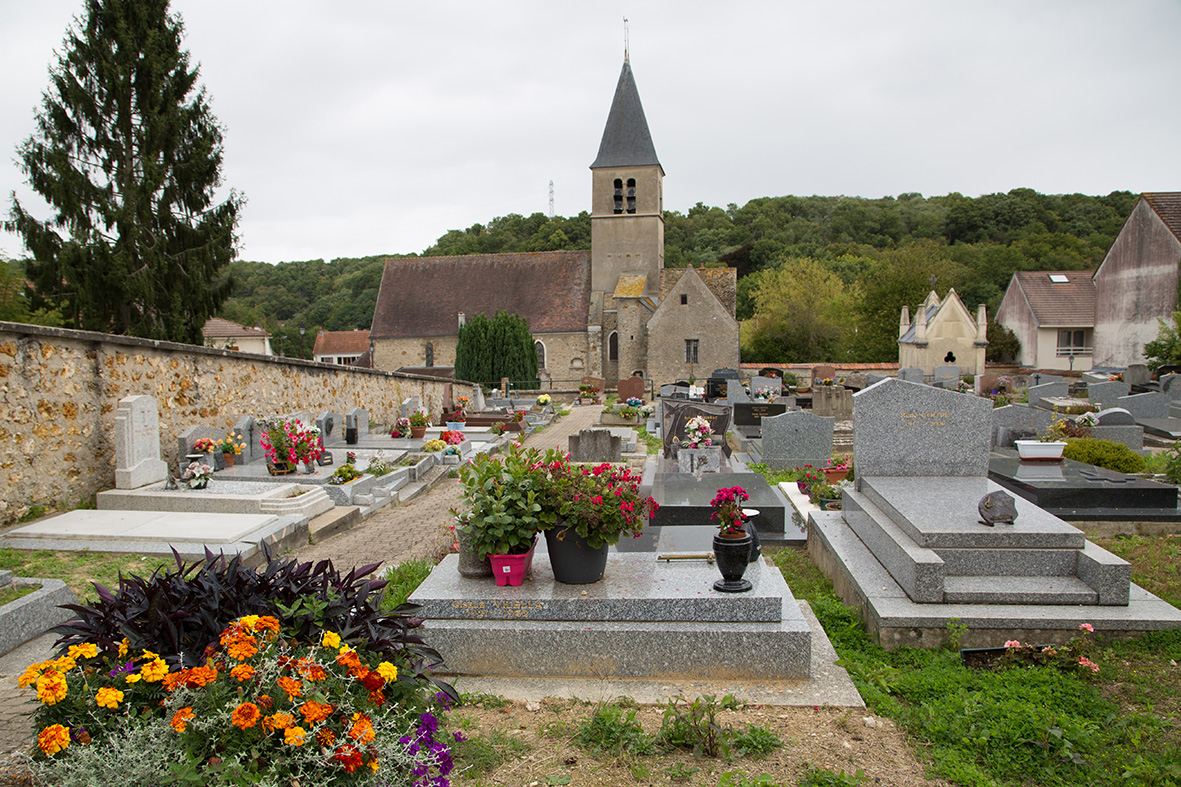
631	195
618	195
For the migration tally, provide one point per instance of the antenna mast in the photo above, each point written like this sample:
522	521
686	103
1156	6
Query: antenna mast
626	45
551	199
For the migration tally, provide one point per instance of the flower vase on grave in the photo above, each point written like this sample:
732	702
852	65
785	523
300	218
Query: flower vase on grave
229	460
417	432
470	564
573	560
732	554
309	468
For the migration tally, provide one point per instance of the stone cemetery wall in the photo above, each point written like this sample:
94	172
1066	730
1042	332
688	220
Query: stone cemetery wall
60	391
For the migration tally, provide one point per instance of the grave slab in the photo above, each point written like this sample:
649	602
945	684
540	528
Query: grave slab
1076	490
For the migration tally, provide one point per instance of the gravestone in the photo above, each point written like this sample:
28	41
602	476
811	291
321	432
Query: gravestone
699	460
1170	384
1017	422
632	387
819	373
248	429
946	376
1106	393
1115	416
906	429
911	374
184	443
1137	374
727	374
597	382
753	413
1039	393
875	378
769	385
668	389
331	426
718	387
478	399
797	438
833	400
676	413
595	445
1146	405
857	381
735	393
359	418
1039	378
137	443
410	405
448	397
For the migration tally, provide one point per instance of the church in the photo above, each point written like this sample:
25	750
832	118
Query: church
610	312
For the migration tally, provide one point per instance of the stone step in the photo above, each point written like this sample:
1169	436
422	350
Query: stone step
918	570
1009	562
1018	590
335	520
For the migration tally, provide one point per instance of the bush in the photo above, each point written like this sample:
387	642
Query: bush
1104	453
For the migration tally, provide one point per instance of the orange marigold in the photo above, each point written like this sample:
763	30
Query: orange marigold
292	686
280	721
180	719
315	711
267	623
51	687
241	647
294	736
312	671
362	729
242	672
245	715
53	739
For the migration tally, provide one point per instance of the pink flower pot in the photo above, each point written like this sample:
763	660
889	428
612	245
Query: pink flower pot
511	569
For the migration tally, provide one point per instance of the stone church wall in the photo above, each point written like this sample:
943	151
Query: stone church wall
566	354
59	390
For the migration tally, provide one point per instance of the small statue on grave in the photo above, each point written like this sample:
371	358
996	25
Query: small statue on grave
997	507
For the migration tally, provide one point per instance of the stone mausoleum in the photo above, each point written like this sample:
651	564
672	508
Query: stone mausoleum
610	312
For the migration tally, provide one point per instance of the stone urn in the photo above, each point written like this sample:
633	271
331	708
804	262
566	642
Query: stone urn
470	564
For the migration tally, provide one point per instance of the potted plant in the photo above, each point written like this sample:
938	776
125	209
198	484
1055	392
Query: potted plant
1049	446
231	447
344	474
456	420
307	446
629	412
838	468
732	545
808	477
543	400
197	475
594	507
505	511
277	440
498	429
587	394
470	563
824	495
419	421
401	428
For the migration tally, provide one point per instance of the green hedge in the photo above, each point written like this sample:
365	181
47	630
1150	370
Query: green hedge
1104	453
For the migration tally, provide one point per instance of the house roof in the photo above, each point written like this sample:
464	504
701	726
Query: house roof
626	139
1167	205
423	296
217	328
933	306
722	282
1059	304
353	342
630	285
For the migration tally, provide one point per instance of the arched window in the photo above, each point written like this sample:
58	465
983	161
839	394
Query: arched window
631	195
540	354
613	346
638	373
430	354
618	195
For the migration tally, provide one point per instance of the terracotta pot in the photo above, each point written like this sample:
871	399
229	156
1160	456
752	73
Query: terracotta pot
835	474
418	432
229	460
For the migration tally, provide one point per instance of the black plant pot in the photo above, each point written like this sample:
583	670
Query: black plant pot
572	559
732	555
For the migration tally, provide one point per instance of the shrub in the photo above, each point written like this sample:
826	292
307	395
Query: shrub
344	474
1104	453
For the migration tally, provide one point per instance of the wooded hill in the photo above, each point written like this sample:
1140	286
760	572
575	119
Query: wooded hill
820	278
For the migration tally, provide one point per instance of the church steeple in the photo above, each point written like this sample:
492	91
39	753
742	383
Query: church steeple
626	139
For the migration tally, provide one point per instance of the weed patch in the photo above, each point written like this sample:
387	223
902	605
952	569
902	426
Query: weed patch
611	729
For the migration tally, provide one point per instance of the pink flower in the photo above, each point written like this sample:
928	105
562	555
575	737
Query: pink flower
1086	663
1013	643
1087	627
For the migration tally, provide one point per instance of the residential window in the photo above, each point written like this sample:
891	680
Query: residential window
613	347
690	351
1073	342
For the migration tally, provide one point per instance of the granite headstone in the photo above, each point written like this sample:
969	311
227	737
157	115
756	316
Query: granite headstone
137	443
753	413
676	413
631	388
1115	416
1018	421
945	375
1039	393
822	372
766	385
911	374
595	445
797	438
1107	393
1146	405
1137	374
331	426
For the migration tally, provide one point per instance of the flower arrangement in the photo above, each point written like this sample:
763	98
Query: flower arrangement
261	704
635	401
430	446
452	437
588	391
727	511
420	418
458	417
543	400
1068	657
1087	420
823	491
462	402
401	427
518	416
197	475
599	503
232	444
498	429
345	473
697	432
452	450
628	411
504	496
762	395
289	441
379	466
205	446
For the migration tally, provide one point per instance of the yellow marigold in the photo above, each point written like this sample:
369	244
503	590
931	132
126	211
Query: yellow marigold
315	711
86	650
51	687
245	715
373	762
180	719
330	640
294	736
134	677
53	739
149	656
387	671
31	673
123	646
290	685
280	721
63	663
362	728
248	622
242	672
107	697
154	671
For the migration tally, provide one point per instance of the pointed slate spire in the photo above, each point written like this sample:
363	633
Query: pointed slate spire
626	141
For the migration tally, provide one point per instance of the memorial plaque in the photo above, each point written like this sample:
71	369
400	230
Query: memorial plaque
676	413
753	413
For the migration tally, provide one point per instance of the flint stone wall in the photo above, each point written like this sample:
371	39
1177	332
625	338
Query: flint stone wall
60	391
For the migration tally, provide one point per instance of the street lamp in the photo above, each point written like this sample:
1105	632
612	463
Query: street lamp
301	331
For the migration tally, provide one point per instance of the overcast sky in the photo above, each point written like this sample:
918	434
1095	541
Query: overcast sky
372	127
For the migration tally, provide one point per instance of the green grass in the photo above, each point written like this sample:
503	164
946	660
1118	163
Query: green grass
10	594
1009	726
654	445
403	579
79	569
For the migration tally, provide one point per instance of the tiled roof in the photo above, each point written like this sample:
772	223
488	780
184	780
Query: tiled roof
1167	205
722	282
630	285
341	342
217	328
423	296
1066	304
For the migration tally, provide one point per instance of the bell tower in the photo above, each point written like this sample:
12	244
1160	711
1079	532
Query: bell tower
627	200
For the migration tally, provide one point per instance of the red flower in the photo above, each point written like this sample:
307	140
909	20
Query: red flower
348	757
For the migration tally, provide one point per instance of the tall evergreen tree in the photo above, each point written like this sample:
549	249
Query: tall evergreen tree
128	154
487	350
